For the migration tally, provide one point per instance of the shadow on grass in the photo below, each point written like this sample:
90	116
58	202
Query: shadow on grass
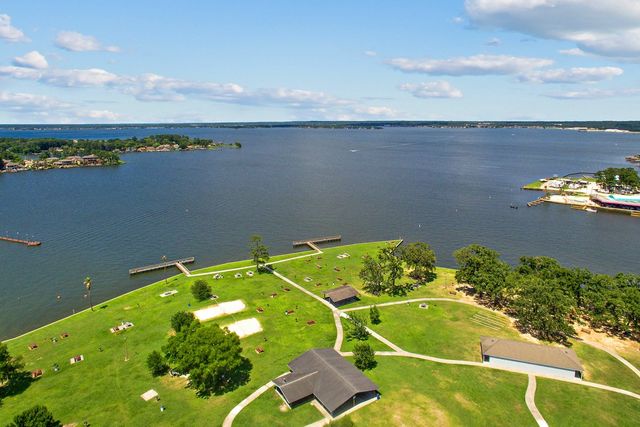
16	386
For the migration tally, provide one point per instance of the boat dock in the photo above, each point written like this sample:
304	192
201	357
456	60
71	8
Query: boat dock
326	239
537	201
24	242
162	265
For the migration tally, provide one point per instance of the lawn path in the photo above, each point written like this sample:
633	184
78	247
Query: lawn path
622	360
529	399
240	406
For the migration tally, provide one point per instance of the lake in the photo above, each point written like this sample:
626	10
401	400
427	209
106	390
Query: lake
448	187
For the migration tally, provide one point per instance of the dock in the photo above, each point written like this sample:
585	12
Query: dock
24	242
537	201
161	265
325	239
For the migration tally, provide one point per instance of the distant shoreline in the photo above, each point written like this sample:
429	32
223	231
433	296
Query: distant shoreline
585	126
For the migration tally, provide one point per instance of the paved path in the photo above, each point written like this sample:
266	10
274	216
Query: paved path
240	406
622	360
529	399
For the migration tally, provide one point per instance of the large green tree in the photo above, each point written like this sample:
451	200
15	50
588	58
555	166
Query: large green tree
483	269
211	356
421	259
36	416
392	266
9	366
364	356
372	275
542	308
259	252
182	320
613	178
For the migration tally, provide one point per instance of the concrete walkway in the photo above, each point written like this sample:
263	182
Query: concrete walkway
228	421
529	399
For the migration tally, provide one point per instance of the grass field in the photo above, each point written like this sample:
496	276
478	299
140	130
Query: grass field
601	367
446	329
420	393
105	388
535	185
563	404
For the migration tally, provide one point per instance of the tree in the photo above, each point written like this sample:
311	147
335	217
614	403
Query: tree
374	315
542	308
614	178
421	259
259	252
211	356
36	416
9	366
181	320
392	267
87	286
372	275
482	268
364	356
357	328
156	364
201	290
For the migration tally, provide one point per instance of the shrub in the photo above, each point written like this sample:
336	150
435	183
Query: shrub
201	290
357	329
364	356
156	364
36	416
374	315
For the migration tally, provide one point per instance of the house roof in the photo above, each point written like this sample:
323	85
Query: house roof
327	375
557	357
341	293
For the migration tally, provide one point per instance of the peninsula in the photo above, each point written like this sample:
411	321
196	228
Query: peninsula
30	154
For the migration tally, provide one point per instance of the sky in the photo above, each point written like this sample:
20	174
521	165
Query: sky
220	61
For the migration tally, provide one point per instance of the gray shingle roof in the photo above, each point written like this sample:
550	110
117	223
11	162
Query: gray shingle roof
341	293
556	357
327	375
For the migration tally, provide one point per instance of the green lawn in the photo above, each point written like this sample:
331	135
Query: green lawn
420	393
326	271
564	404
270	410
535	185
446	329
105	390
601	367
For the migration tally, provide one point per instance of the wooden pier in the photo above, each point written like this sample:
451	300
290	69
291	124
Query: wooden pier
537	201
161	265
24	242
326	239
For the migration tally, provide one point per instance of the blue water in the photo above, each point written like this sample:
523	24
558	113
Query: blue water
449	187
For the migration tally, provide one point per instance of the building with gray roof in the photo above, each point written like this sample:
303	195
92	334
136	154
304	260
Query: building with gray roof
529	357
324	374
341	295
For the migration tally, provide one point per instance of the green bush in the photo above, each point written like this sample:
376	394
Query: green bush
201	290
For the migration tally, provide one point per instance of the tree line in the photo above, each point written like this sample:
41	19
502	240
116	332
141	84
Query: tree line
15	148
548	299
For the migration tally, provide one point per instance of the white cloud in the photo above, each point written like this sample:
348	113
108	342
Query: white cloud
79	78
371	53
604	27
382	112
495	41
438	89
99	115
571	75
27	102
33	59
10	33
576	51
77	42
470	65
457	20
592	93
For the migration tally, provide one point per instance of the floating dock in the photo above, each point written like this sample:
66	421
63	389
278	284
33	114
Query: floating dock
537	201
24	242
326	239
161	265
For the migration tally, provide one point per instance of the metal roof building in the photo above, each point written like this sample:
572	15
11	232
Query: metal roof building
534	358
324	374
340	295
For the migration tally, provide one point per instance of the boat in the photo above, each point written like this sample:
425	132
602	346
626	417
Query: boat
593	210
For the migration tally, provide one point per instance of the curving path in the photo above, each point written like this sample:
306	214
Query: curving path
529	399
399	352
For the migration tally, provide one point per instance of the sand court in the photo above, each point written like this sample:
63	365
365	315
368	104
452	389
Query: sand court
245	327
219	310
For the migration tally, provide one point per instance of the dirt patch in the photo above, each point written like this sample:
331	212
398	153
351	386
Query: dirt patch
609	342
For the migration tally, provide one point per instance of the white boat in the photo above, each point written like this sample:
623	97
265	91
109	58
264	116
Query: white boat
593	210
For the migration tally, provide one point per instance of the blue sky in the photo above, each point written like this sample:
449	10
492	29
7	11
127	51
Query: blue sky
189	61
